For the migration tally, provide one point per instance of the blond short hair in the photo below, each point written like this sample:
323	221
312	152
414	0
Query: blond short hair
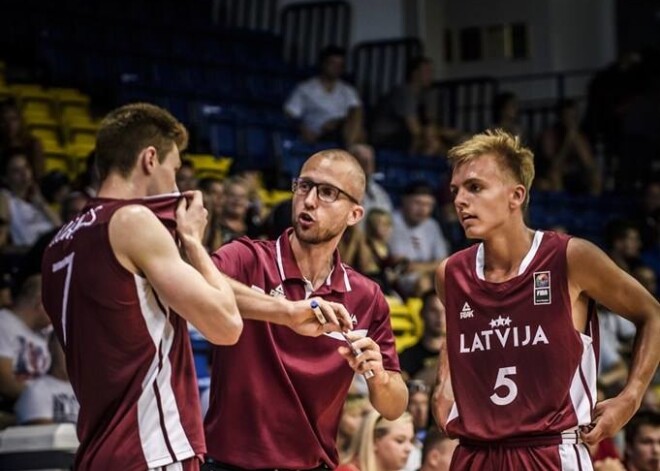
509	151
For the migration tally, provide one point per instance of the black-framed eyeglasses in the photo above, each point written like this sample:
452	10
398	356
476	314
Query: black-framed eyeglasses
325	191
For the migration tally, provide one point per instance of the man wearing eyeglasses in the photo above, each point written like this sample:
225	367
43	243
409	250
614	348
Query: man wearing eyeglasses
276	396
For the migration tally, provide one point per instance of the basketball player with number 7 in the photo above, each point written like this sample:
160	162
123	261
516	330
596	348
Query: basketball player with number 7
517	376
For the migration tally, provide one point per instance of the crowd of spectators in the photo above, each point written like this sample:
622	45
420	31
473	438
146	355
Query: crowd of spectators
399	246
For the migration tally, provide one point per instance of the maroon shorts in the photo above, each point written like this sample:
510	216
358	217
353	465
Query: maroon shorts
565	457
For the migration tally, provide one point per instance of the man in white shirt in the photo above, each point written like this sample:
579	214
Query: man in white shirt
24	351
49	399
327	107
418	238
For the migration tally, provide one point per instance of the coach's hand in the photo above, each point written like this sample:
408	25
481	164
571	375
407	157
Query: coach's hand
608	418
303	320
370	358
191	217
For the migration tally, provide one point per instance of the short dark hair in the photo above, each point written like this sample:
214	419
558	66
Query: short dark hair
434	436
418	187
127	130
330	51
617	229
414	64
641	418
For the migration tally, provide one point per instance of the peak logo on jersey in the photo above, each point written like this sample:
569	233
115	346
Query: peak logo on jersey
466	312
504	335
542	290
277	292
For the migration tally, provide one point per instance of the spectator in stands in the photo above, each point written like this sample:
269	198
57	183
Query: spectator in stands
418	238
16	139
375	195
505	114
213	192
356	407
24	353
382	445
185	176
55	186
234	222
648	216
24	213
424	354
407	118
643	442
49	399
418	407
647	278
437	451
89	180
624	244
327	108
565	159
379	263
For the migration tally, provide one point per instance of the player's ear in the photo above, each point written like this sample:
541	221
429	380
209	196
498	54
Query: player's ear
148	159
517	197
356	215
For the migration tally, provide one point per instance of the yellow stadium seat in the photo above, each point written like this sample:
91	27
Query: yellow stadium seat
80	130
55	163
78	156
33	99
206	165
43	127
406	323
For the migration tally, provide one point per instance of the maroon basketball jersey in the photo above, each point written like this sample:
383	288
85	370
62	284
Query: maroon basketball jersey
128	355
518	366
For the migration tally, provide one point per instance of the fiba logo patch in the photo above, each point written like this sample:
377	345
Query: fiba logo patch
542	290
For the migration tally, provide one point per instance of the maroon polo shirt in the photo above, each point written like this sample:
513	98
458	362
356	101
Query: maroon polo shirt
276	396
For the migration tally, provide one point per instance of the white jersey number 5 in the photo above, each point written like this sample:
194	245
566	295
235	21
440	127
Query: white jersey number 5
503	381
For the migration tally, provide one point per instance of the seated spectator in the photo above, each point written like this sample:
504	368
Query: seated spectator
24	213
565	160
375	196
381	444
234	222
213	192
418	238
506	116
437	451
643	442
424	354
647	278
185	176
647	218
24	353
624	244
327	108
355	408
55	187
418	407
379	264
49	399
407	118
16	139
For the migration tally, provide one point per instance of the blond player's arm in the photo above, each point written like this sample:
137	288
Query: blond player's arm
597	276
443	394
197	291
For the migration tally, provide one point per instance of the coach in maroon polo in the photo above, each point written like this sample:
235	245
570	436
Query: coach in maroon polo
276	396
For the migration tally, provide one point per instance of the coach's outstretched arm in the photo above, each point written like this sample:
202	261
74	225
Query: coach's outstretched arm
594	274
199	293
